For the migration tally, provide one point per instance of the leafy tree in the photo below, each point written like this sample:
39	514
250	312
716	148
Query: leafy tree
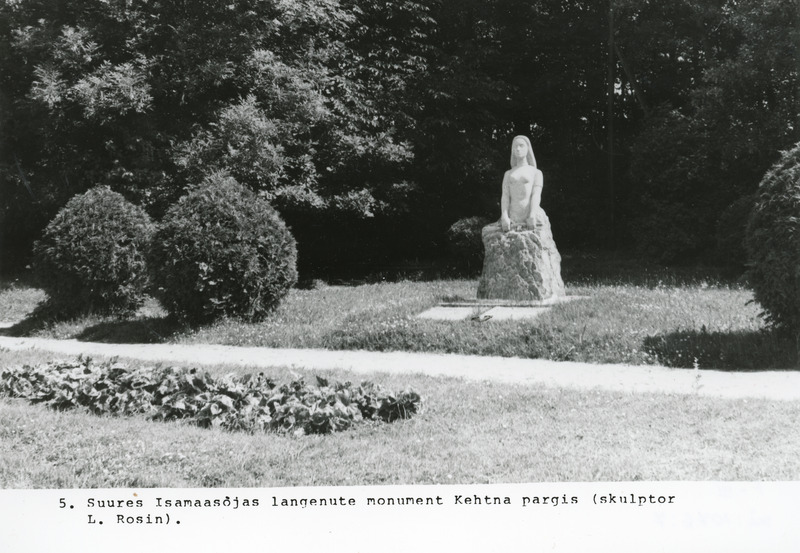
374	126
148	97
79	111
708	147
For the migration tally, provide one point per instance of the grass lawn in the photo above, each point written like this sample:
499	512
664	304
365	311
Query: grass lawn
467	432
18	299
630	315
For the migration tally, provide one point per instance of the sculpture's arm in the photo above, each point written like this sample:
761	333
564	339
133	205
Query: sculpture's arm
536	199
505	220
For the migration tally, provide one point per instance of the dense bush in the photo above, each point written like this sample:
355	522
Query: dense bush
465	242
249	403
221	250
773	242
91	256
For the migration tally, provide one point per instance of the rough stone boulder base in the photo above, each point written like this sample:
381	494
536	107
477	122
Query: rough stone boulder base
521	265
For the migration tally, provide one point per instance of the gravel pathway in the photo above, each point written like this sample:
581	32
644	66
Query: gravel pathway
778	385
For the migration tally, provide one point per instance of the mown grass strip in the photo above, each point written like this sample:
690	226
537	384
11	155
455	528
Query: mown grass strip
702	323
469	432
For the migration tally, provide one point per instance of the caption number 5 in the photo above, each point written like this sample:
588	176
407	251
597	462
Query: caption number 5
62	504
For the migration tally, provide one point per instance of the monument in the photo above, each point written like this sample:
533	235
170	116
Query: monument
521	261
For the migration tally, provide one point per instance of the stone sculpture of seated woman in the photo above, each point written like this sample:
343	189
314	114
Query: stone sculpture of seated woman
522	191
521	261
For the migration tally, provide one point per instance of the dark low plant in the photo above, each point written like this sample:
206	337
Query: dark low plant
465	242
249	403
222	251
91	257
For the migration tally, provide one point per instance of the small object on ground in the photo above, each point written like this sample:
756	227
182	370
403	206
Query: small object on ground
481	318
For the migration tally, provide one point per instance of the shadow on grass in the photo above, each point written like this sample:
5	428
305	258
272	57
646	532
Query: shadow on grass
106	329
614	268
727	351
147	330
40	318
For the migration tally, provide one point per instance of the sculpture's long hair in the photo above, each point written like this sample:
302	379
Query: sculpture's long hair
531	159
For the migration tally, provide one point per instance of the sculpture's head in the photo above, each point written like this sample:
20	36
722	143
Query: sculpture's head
521	151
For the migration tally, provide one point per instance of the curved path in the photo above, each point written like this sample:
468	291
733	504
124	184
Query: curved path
779	385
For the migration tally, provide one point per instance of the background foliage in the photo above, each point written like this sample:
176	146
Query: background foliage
373	127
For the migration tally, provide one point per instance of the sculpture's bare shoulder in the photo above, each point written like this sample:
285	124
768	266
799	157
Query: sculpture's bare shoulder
538	177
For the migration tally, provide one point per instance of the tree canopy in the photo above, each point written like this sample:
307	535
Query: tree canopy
373	126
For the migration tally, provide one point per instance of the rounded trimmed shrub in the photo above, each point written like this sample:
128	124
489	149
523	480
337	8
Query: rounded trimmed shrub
222	251
92	255
465	242
773	243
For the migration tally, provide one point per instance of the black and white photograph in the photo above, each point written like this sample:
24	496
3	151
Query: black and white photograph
439	275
